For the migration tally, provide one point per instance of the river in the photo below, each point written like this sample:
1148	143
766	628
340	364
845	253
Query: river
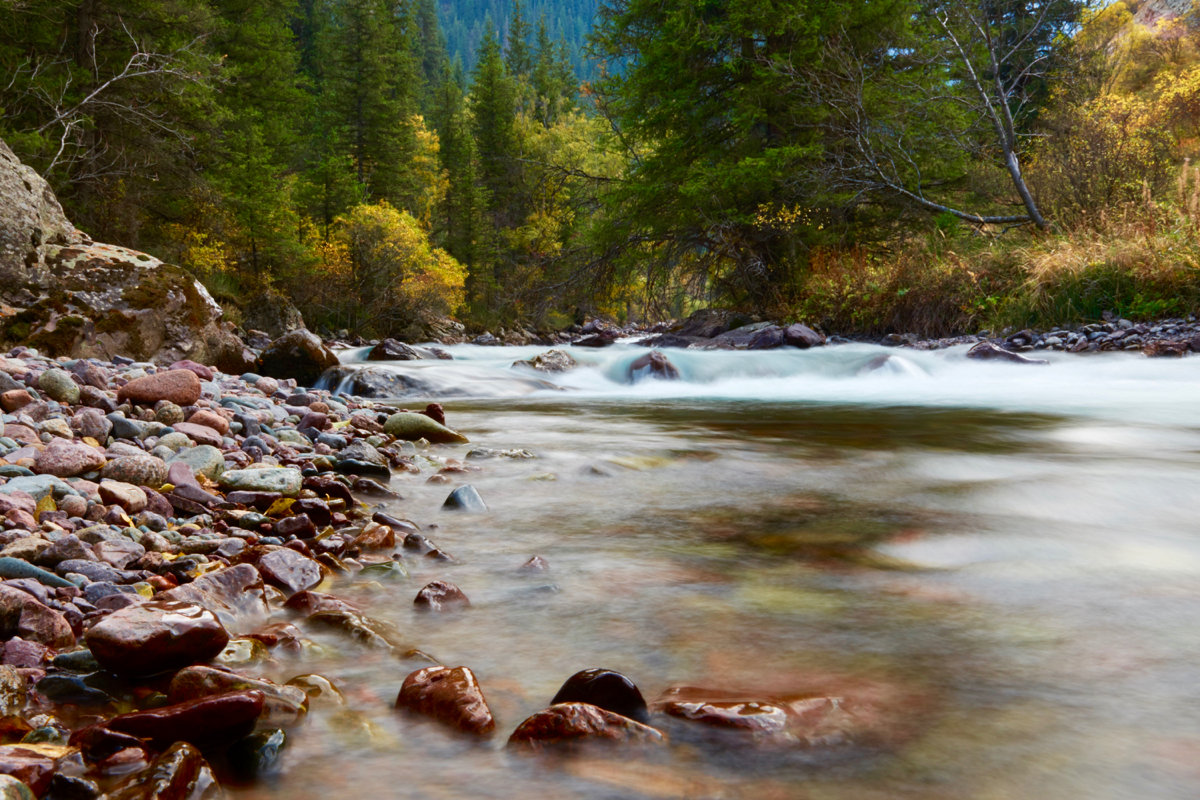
1004	559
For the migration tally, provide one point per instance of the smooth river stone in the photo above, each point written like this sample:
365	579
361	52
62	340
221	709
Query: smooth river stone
35	765
285	480
449	695
181	773
210	419
808	720
59	385
569	725
156	637
180	386
16	568
200	434
22	615
290	571
129	497
467	499
411	426
440	596
206	460
283	705
140	470
218	719
235	594
65	459
609	690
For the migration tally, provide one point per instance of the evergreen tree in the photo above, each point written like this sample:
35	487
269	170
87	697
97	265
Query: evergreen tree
493	116
516	51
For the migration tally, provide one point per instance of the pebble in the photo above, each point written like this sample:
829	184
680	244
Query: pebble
156	637
449	695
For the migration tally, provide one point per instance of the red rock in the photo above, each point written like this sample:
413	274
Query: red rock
804	720
200	434
309	603
98	743
22	501
65	459
569	725
218	719
35	764
440	596
282	705
180	386
290	571
375	537
22	615
210	419
156	637
181	773
235	594
281	635
449	695
202	372
535	564
21	433
15	398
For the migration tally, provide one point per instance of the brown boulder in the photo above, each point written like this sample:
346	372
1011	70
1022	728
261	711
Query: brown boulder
298	354
156	637
180	772
440	596
179	386
571	725
218	719
449	695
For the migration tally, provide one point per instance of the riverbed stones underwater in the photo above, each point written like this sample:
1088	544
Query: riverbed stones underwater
167	532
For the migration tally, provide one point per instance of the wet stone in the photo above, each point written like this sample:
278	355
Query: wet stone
216	719
607	689
256	756
440	596
282	705
22	615
36	764
465	498
13	789
181	773
568	726
412	426
289	571
449	695
156	637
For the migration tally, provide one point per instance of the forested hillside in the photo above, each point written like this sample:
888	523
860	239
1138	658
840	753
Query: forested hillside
909	164
570	21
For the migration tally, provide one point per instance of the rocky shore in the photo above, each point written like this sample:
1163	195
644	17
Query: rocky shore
168	530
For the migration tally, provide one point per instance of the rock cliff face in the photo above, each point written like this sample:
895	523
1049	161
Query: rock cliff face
69	296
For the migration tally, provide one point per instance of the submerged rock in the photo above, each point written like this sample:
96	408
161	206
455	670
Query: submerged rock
465	498
988	351
440	596
392	350
568	726
449	695
549	361
652	365
218	719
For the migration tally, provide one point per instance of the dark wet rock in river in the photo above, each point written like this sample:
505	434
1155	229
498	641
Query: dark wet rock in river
180	773
214	720
449	695
393	350
35	765
440	596
1165	349
297	354
465	498
569	726
256	757
282	705
289	571
411	426
549	361
156	637
607	689
652	365
989	351
378	382
599	339
802	336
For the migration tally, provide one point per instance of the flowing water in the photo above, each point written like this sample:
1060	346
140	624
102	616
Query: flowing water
1005	557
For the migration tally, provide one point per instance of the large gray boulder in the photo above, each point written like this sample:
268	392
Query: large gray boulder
30	220
69	296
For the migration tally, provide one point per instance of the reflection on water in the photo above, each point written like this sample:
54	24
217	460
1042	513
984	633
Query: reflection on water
1007	569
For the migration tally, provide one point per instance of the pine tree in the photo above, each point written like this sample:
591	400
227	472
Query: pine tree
493	115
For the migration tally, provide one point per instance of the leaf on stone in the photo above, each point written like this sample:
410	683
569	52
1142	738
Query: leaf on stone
45	504
280	506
